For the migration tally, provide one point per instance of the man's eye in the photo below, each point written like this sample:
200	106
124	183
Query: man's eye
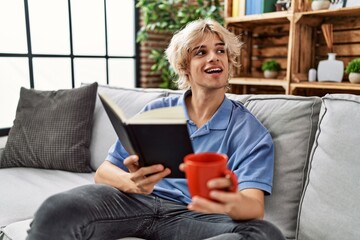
200	53
221	51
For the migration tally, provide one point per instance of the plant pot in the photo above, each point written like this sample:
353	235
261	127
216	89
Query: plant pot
354	77
270	74
319	5
280	7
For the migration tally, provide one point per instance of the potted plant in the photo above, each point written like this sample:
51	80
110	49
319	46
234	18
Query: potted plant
353	69
270	68
282	5
320	4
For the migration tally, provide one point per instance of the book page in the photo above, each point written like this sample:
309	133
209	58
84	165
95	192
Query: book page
116	109
167	115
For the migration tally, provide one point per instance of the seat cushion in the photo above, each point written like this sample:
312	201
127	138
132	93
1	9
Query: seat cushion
15	231
292	124
330	203
18	231
22	190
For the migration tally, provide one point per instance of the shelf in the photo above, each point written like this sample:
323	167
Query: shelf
259	82
268	18
314	18
340	12
327	85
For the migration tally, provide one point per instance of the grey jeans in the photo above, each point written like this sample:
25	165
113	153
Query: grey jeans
102	212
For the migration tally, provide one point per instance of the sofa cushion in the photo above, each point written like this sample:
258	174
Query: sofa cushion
238	98
22	190
104	136
15	231
330	204
52	130
18	231
292	123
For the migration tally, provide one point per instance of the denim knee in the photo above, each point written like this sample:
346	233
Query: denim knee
259	230
62	215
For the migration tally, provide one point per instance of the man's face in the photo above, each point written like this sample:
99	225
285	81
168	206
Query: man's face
209	66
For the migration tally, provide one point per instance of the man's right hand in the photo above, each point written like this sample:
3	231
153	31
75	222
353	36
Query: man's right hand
139	180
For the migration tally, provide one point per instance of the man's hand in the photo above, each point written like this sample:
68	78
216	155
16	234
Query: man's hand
138	180
243	205
144	178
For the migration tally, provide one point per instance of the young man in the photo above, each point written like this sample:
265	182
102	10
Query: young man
142	202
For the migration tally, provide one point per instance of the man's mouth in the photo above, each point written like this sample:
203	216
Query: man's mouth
213	70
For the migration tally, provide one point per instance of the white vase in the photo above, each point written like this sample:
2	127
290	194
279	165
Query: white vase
354	77
312	75
331	69
319	5
270	74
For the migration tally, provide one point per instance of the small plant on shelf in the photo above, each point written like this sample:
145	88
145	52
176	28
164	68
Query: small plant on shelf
353	69
270	68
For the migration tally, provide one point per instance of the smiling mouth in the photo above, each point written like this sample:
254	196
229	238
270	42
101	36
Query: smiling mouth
213	70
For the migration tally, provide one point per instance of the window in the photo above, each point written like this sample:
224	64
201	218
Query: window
59	44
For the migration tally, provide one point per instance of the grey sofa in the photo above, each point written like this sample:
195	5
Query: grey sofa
317	164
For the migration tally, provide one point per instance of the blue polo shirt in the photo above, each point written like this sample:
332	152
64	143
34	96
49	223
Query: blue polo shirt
232	130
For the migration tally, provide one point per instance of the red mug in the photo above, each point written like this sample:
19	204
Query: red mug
202	167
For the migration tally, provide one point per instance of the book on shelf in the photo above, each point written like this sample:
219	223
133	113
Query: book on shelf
158	136
259	6
238	8
235	8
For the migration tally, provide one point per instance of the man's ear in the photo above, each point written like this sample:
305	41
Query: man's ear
185	72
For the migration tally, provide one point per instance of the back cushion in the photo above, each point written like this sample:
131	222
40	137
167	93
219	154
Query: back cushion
131	102
238	97
291	122
330	204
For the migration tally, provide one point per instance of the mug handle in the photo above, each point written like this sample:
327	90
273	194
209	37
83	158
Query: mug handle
234	182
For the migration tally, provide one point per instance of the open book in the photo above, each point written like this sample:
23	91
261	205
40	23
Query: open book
158	136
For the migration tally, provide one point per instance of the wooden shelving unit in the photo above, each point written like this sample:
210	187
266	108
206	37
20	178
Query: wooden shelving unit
294	39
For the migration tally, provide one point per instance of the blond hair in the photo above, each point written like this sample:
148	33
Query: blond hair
178	51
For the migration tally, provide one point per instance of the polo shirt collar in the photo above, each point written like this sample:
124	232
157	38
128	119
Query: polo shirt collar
219	120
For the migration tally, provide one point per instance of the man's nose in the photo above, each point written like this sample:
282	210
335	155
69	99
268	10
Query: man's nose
213	57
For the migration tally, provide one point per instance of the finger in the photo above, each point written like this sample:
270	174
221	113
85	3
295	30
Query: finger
144	172
223	197
155	178
219	183
182	167
132	163
204	205
146	184
150	170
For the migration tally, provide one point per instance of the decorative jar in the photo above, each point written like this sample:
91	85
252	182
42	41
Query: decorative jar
320	4
331	69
